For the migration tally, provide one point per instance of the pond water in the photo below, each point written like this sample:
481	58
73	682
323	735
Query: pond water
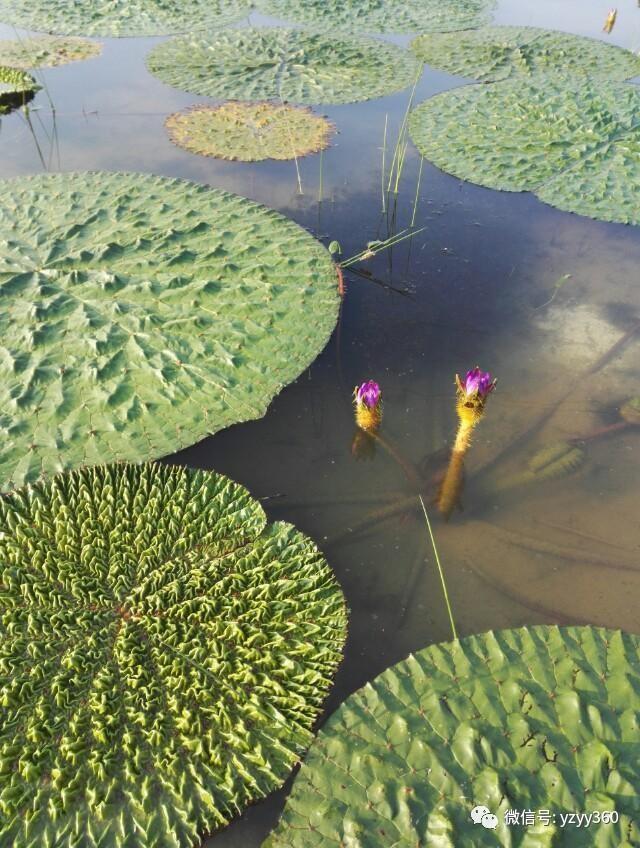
535	295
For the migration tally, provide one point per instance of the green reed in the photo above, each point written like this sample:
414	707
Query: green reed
442	580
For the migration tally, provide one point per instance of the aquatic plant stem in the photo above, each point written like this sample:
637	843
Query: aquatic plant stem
397	162
441	572
454	478
383	245
383	169
415	200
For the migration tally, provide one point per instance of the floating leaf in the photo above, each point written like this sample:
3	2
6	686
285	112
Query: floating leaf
13	81
121	17
576	144
250	132
16	88
283	64
139	313
46	51
502	52
164	655
401	16
539	718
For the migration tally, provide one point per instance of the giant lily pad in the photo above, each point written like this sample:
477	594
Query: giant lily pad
401	16
503	52
120	17
250	132
283	64
139	313
575	144
164	655
46	51
540	718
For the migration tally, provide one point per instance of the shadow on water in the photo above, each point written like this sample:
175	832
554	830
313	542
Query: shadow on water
533	294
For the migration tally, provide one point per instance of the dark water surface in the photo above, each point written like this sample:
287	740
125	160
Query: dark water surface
478	285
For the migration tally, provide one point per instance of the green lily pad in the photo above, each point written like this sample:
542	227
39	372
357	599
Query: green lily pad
576	144
539	718
16	88
503	52
283	64
250	132
121	17
383	16
139	313
46	51
13	81
163	658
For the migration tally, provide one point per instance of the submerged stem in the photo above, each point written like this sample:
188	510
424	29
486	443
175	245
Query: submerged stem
442	580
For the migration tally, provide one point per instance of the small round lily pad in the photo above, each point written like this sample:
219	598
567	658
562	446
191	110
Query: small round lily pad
374	16
46	51
16	88
538	718
283	65
503	52
574	142
121	17
250	132
164	655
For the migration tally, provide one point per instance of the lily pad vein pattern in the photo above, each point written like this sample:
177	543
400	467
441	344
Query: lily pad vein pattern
139	314
497	53
535	718
163	658
283	65
250	132
46	51
573	142
121	17
381	16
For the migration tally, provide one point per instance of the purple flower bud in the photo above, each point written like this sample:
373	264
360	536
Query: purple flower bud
478	383
368	394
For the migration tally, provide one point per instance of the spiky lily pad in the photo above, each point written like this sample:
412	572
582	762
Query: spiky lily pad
46	51
121	17
539	718
139	313
16	88
164	655
503	52
401	16
283	64
576	144
13	81
250	132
